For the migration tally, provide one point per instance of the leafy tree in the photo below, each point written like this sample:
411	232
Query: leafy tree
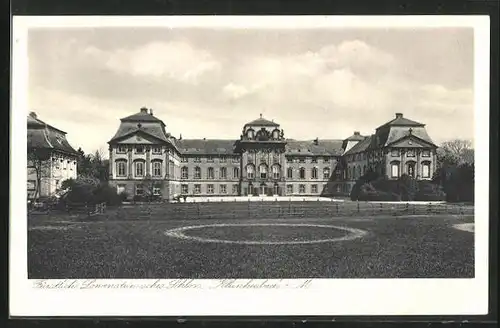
39	162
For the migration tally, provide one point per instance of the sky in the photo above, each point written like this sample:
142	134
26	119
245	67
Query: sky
209	82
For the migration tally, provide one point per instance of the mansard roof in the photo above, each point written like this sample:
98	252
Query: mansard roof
206	146
356	136
399	120
318	147
142	116
43	135
361	146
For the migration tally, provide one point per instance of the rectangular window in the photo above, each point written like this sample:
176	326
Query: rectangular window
410	153
184	189
302	160
197	173
302	189
223	189
31	184
157	169
139	169
222	159
121	168
120	188
289	189
156	191
197	160
197	189
139	150
210	173
223	173
289	160
156	150
426	153
184	159
210	159
235	189
395	152
289	173
395	170
326	159
236	173
236	160
210	189
139	190
184	173
314	189
121	150
314	160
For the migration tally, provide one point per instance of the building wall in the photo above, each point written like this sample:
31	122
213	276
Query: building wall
54	171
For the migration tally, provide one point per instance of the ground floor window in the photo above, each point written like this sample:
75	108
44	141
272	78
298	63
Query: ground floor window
120	188
395	169
184	189
302	189
156	190
314	189
426	170
139	190
235	189
197	189
289	189
31	184
223	189
210	189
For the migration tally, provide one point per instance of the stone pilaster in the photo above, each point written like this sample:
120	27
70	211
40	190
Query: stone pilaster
148	161
418	168
111	163
130	163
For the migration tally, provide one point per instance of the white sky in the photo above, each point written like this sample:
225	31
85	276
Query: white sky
322	83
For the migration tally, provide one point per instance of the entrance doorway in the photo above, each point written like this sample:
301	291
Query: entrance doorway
263	190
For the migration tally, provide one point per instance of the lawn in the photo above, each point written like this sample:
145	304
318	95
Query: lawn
137	242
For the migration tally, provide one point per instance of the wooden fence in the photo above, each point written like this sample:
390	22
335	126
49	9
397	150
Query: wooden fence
269	210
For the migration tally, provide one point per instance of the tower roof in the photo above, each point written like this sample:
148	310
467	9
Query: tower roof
262	122
142	116
399	120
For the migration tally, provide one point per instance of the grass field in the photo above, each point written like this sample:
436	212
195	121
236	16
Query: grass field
276	240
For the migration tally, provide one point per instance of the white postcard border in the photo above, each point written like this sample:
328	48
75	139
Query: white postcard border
323	296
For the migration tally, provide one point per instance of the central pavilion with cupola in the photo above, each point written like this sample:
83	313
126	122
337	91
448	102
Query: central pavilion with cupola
145	157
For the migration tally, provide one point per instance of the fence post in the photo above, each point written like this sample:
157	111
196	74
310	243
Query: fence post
357	206
381	208
406	208
337	207
198	209
414	209
429	208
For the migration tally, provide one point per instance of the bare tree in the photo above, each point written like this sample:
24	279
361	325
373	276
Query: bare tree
150	186
39	162
456	152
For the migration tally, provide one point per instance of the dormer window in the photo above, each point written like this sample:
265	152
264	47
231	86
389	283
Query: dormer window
250	134
276	134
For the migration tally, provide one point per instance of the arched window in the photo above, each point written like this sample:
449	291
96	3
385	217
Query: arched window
302	173
276	134
314	173
210	173
395	169
359	171
289	173
250	171
185	172
250	133
364	169
236	172
276	171
326	173
156	168
263	171
139	168
426	169
197	172
223	173
121	168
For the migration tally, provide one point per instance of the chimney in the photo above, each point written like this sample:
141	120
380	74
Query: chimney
399	115
316	141
180	136
356	133
33	114
144	110
151	111
204	138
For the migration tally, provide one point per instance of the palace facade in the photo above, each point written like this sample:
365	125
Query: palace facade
145	158
51	159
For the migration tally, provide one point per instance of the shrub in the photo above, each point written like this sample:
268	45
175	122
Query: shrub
86	191
106	194
123	196
364	179
378	196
